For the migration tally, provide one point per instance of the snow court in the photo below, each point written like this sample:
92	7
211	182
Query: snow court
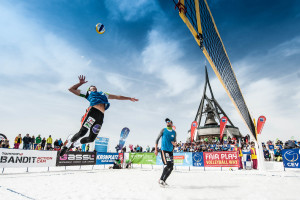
142	184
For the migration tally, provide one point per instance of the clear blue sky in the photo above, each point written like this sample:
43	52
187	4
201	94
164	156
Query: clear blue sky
148	53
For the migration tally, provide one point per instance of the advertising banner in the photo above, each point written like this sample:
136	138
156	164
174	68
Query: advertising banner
101	144
260	124
291	158
180	159
26	158
142	158
221	159
223	123
193	129
198	160
124	134
121	157
73	158
106	158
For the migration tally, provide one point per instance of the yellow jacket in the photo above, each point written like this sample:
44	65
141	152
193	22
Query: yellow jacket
49	140
16	140
253	154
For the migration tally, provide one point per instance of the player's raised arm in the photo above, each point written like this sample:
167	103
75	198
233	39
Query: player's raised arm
111	96
74	88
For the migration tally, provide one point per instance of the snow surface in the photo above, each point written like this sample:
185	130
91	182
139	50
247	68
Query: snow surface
141	182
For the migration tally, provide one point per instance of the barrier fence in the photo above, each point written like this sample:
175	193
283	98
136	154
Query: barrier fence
14	158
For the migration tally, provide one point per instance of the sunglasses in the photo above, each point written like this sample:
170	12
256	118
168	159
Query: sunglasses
168	121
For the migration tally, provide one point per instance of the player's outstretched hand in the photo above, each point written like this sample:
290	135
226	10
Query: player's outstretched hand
82	79
133	99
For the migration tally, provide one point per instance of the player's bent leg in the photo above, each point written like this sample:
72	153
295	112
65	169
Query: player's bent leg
95	129
83	130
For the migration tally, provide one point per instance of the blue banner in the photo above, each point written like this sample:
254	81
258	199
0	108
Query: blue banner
101	144
291	158
198	159
180	159
106	158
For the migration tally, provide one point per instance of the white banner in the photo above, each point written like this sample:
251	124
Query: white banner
27	158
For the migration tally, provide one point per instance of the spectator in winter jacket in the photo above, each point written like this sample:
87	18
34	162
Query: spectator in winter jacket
32	142
88	148
18	141
43	143
26	141
49	142
60	143
56	144
278	154
266	153
38	139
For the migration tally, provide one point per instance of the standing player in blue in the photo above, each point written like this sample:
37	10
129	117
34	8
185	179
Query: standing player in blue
93	118
168	142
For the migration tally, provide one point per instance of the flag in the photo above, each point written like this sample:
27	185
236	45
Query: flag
223	123
260	124
124	134
193	128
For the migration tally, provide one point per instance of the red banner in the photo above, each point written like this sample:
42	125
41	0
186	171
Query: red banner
223	123
221	159
121	157
193	128
260	123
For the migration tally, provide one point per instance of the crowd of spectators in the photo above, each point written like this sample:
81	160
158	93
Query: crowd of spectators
272	150
38	143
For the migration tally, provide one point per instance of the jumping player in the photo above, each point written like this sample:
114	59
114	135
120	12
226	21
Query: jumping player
93	118
168	142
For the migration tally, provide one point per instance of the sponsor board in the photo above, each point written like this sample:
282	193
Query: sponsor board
291	158
121	157
221	159
72	158
101	144
180	159
26	158
106	158
198	160
142	158
183	159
